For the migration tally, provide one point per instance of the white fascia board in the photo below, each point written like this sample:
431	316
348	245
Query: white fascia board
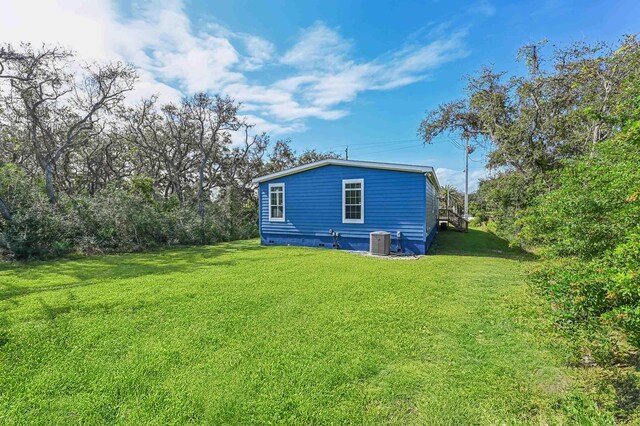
348	163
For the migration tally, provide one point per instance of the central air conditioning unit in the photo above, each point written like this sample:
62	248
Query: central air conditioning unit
380	243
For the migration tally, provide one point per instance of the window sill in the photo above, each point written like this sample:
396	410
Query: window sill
358	221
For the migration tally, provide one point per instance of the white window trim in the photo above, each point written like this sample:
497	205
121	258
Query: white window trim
277	219
344	207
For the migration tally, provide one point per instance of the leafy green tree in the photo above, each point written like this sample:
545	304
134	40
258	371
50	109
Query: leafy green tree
561	109
588	230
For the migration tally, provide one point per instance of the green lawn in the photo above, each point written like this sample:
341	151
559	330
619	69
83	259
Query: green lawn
244	334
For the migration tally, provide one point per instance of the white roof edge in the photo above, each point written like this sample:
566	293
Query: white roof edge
351	163
435	178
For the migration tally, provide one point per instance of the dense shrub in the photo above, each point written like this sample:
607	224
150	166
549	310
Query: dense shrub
36	228
588	230
116	219
39	231
113	220
236	216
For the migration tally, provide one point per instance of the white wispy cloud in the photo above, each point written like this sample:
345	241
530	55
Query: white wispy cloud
258	51
318	47
319	76
325	75
482	7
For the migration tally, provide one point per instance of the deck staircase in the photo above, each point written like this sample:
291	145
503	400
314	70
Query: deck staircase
458	222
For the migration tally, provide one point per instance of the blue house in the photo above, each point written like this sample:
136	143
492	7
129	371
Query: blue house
338	203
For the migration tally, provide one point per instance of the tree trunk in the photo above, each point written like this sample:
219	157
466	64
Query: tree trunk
594	140
201	188
47	166
179	192
48	177
201	199
6	213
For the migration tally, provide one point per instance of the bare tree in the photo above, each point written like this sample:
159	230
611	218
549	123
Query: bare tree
215	118
165	138
62	106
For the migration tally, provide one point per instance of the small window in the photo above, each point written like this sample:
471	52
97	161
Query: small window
353	201
276	202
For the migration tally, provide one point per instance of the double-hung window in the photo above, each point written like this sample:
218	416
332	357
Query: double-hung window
276	202
353	201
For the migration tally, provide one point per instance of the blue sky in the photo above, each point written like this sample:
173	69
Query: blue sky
325	74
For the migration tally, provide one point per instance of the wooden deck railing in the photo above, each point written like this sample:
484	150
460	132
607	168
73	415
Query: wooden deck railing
453	218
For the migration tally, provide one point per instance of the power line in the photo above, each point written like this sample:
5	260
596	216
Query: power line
371	143
387	150
385	146
396	145
377	143
399	145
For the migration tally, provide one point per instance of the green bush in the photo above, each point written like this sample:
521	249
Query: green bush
36	228
116	219
39	232
476	222
588	230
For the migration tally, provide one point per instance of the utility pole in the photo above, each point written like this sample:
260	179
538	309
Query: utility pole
466	178
346	153
468	150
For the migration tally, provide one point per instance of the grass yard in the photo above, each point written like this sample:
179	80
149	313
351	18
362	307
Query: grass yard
243	334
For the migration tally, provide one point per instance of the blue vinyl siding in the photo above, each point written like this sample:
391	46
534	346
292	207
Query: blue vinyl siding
432	212
393	201
432	206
